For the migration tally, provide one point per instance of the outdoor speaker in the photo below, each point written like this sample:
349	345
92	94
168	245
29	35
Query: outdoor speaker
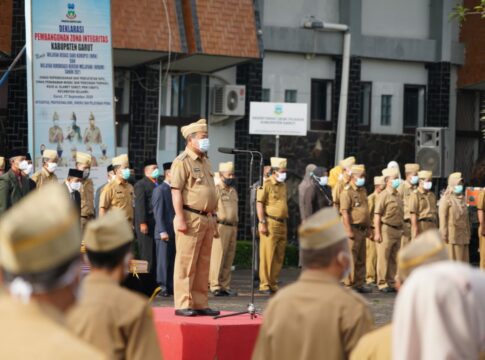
431	150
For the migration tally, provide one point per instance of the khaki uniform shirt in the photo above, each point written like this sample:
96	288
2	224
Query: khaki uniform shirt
43	177
37	331
227	202
192	175
423	204
454	222
87	198
273	196
375	345
371	202
56	135
115	320
405	190
389	206
118	194
354	200
314	318
481	200
336	191
93	136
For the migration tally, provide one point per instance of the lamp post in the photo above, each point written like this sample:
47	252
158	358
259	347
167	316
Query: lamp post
319	25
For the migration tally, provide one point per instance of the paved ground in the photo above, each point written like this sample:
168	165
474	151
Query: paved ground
381	304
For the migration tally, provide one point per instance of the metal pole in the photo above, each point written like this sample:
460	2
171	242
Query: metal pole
342	112
277	146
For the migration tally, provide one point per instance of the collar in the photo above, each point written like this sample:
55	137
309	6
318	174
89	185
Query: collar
68	187
119	181
44	170
100	277
166	182
317	275
391	191
151	179
353	186
409	185
192	154
273	180
422	191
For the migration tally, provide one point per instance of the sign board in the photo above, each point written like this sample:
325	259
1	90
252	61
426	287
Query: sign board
289	119
70	82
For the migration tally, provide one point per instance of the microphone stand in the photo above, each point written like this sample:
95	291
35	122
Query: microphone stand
251	309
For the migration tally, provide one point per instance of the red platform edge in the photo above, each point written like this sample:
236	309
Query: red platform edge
203	337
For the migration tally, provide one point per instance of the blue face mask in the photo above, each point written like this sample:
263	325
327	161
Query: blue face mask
395	183
204	145
125	174
414	180
458	189
360	182
155	174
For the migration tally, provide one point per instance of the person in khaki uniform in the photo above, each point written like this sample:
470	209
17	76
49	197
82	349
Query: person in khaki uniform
119	192
83	163
224	246
388	219
47	173
481	228
426	249
405	190
115	320
272	208
422	205
316	317
40	267
2	165
343	180
355	216
371	247
195	202
454	221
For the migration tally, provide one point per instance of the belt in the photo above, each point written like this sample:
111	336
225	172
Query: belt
394	227
281	220
427	220
199	212
226	223
407	220
88	217
360	227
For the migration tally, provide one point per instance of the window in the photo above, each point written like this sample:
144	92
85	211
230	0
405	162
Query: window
291	96
414	109
386	110
365	101
266	95
320	104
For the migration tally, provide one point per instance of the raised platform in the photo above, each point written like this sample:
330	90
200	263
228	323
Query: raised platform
203	337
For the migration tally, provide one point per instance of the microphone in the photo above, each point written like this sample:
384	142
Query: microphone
225	150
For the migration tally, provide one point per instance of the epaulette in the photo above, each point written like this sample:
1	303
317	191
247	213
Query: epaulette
182	156
347	187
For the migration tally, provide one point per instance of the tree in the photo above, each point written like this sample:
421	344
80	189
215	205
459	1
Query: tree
461	12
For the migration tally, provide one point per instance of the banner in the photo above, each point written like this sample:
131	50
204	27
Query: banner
70	82
266	118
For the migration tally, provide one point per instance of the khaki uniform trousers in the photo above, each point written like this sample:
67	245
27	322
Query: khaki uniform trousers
222	257
426	225
371	261
192	262
387	256
357	248
84	222
481	240
459	252
272	254
406	233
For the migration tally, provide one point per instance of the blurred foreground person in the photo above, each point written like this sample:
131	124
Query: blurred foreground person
439	313
316	317
41	269
113	319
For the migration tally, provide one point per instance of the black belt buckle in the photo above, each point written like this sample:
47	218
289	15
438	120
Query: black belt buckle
359	227
226	223
199	212
276	219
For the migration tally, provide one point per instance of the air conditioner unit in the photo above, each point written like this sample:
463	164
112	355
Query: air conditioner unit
432	150
229	100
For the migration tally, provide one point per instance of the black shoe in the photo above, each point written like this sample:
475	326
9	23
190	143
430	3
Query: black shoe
185	312
265	292
219	293
206	312
387	290
362	289
165	293
230	292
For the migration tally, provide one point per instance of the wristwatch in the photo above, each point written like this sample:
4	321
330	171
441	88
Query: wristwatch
262	221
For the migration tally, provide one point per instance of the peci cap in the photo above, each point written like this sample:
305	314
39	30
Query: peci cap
455	178
121	160
52	238
49	154
75	173
379	180
17	152
357	169
227	167
425	174
426	248
108	232
199	126
167	166
408	168
279	163
348	162
319	171
150	162
91	116
321	230
83	158
28	157
109	168
388	172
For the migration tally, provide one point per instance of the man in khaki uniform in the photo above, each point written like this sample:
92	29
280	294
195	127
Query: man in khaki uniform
272	208
388	220
92	134
481	228
119	192
426	249
195	202
41	266
47	173
405	190
2	165
355	216
83	163
115	320
316	317
371	248
224	246
343	180
422	205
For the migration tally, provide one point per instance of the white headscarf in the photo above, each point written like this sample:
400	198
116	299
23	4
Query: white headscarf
440	313
394	165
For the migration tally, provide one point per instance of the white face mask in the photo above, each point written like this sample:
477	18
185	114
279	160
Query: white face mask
51	167
29	169
204	145
23	165
281	177
323	181
427	185
76	186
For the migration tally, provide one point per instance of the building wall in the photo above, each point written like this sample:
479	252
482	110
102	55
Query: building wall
6	7
291	13
400	19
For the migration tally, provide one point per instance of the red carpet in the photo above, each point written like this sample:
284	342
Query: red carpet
203	337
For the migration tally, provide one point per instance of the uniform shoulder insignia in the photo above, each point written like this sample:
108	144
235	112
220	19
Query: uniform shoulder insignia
347	187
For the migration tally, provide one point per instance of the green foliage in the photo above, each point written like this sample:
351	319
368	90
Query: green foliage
461	12
242	259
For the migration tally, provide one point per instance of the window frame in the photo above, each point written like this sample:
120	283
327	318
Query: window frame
287	92
319	124
412	129
365	127
390	96
262	95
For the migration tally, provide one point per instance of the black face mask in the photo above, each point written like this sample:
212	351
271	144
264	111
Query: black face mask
230	182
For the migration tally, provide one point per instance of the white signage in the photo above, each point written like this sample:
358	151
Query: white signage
288	119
